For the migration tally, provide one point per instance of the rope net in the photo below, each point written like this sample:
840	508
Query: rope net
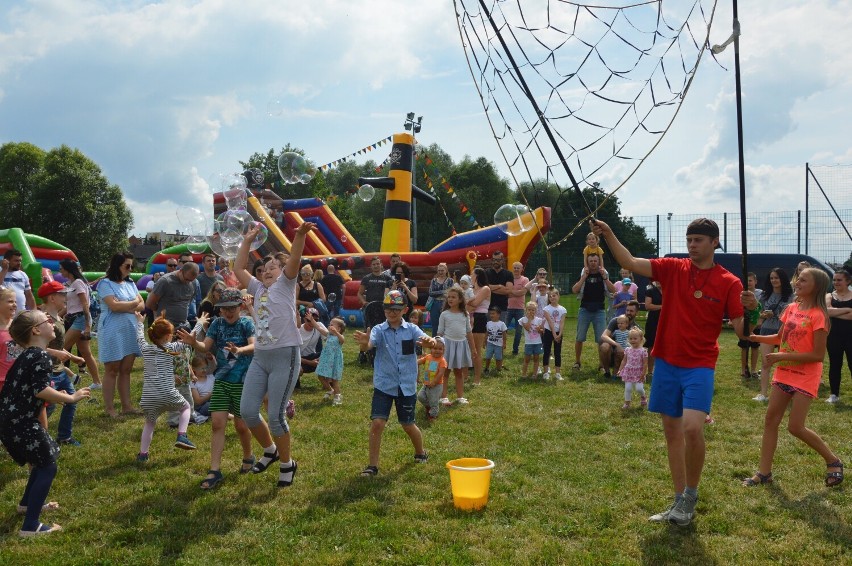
608	80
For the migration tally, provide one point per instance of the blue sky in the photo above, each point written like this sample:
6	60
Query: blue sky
165	96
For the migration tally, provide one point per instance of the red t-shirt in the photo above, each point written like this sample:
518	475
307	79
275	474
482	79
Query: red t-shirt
689	326
797	335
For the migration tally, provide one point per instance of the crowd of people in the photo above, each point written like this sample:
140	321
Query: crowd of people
222	343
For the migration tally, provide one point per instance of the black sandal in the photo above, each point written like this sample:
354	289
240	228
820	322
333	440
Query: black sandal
758	479
421	458
369	471
833	479
250	462
261	467
282	473
212	482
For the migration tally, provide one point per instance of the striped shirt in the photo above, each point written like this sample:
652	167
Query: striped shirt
158	388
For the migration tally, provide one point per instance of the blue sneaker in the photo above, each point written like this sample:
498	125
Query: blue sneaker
184	442
142	457
69	442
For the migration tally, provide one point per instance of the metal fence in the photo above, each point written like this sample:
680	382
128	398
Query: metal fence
818	233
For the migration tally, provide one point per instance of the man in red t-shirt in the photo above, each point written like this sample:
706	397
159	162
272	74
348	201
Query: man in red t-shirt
698	294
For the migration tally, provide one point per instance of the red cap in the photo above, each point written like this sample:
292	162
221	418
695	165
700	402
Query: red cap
50	288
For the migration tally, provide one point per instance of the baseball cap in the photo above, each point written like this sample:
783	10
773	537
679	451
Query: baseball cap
394	300
230	297
50	288
704	227
626	281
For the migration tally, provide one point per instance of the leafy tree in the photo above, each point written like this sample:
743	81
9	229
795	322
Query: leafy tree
63	195
268	164
20	165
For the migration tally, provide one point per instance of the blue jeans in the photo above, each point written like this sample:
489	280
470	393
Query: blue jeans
61	382
515	315
334	306
435	315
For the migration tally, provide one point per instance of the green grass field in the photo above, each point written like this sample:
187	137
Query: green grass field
575	480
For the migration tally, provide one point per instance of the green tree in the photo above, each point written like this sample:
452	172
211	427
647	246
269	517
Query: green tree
20	165
76	205
268	164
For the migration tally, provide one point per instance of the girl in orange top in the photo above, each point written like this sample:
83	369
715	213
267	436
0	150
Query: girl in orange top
804	331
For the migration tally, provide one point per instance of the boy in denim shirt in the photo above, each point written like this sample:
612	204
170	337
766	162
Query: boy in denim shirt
394	376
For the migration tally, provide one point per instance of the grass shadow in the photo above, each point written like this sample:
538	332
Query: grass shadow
674	545
812	509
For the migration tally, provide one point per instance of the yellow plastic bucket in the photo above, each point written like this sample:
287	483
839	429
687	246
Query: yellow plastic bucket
470	479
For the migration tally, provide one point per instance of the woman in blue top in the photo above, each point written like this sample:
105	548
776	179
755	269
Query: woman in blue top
117	346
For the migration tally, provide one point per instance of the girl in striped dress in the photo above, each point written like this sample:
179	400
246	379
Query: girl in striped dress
159	393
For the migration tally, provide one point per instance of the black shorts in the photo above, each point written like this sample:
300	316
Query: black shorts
480	321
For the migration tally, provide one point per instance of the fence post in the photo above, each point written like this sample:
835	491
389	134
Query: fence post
658	236
724	232
807	204
798	231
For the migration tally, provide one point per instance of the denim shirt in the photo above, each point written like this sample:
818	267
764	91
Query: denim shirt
395	366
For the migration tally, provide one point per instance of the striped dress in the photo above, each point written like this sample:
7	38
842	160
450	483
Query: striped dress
158	388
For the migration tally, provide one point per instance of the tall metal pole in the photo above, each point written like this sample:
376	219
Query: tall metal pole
740	145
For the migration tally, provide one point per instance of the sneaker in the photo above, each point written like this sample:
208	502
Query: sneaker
184	442
291	409
832	399
663	515
760	398
142	457
607	375
200	419
76	381
446	402
95	386
462	401
338	400
683	512
546	376
643	402
558	377
82	370
539	372
69	442
626	405
327	395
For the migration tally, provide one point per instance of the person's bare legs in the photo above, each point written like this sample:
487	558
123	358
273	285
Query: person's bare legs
686	448
778	402
578	351
217	439
123	384
416	437
796	426
461	377
478	343
377	428
110	377
73	338
766	368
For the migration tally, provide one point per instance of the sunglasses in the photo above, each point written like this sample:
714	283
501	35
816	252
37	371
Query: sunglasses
171	265
48	319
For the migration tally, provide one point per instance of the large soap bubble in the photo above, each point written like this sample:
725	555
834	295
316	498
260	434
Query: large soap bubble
294	168
511	219
196	243
366	192
261	237
231	225
221	248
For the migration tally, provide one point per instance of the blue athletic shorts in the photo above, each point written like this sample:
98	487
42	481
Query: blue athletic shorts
674	389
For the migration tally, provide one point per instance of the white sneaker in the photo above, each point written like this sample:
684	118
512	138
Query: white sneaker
540	370
462	401
199	419
94	386
327	395
832	399
338	400
760	398
558	377
546	376
445	402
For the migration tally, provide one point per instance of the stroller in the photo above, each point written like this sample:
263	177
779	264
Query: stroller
374	313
